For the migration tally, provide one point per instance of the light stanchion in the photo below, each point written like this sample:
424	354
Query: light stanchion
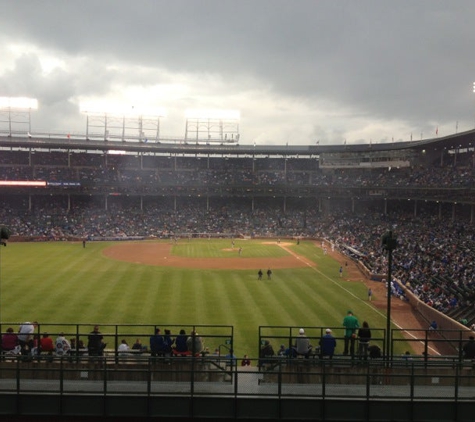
388	243
4	236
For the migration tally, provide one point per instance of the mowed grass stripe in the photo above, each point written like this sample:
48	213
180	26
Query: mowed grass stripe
222	248
242	308
62	282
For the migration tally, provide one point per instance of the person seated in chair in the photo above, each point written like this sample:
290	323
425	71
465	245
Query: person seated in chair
302	345
157	344
194	343
62	346
46	344
95	345
9	341
181	347
138	346
327	344
266	352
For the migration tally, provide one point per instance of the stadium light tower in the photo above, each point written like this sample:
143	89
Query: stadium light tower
388	243
15	113
217	126
121	122
474	87
4	236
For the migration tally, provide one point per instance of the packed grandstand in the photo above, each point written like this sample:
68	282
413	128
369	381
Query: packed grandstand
348	194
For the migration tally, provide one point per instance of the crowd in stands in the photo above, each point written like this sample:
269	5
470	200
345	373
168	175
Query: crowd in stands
147	173
435	254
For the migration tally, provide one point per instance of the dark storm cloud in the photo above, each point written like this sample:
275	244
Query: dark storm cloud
384	60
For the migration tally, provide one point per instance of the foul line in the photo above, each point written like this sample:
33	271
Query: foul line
312	266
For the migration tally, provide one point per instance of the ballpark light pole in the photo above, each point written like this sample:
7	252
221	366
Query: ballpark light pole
474	87
4	236
388	243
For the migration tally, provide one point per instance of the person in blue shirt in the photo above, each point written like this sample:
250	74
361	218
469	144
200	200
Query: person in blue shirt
327	344
157	344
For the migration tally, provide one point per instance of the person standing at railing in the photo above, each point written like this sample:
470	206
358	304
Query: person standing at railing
350	322
364	337
157	343
469	348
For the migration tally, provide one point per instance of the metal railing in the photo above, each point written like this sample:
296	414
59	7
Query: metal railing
224	376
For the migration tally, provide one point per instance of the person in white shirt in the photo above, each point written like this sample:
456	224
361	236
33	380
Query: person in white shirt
26	337
62	346
123	348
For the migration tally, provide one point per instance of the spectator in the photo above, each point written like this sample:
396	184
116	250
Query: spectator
138	346
62	346
327	344
374	352
123	348
10	342
246	361
157	344
26	337
46	344
95	344
168	342
469	348
266	353
302	345
181	346
194	343
350	322
364	337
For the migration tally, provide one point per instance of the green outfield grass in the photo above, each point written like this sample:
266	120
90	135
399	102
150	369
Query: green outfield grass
62	282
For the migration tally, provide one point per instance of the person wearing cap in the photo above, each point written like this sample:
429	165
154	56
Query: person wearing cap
350	322
194	343
327	344
302	345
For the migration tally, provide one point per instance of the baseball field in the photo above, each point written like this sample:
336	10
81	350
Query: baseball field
190	281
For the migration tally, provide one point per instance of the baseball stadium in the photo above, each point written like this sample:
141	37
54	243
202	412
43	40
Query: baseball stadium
121	235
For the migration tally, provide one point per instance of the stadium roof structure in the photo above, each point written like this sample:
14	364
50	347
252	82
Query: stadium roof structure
456	141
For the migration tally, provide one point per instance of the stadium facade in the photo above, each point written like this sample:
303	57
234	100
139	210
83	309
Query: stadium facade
73	177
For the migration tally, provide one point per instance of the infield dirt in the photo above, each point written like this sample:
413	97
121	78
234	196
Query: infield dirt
148	253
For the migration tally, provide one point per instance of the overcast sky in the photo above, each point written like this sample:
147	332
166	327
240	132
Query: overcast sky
298	71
